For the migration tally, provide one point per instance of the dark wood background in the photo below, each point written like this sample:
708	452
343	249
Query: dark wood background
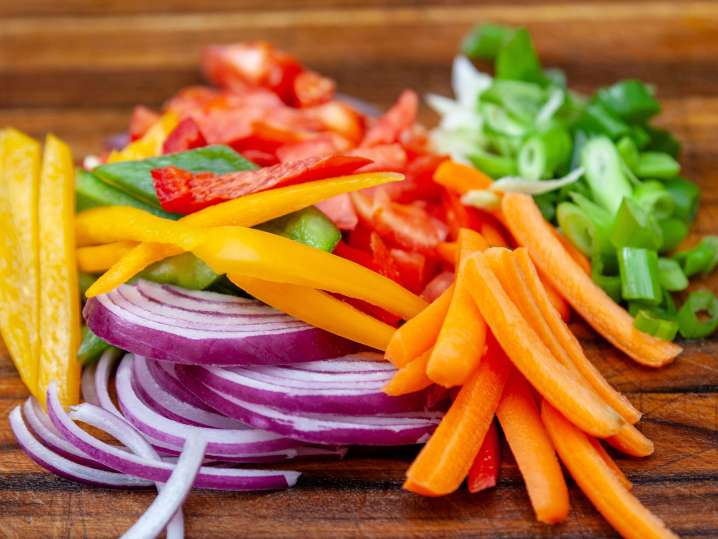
76	68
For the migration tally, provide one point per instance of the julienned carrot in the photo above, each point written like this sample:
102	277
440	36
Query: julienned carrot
420	332
631	441
598	481
557	335
596	443
445	460
410	378
484	472
97	258
460	178
553	381
556	299
588	299
574	253
461	341
493	237
533	451
448	251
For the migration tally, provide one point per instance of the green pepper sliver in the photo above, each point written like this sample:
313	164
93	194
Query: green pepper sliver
135	178
91	347
185	270
698	317
308	226
639	275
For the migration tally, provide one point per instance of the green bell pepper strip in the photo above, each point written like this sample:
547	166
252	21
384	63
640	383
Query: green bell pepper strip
657	165
91	347
543	154
634	227
484	41
653	197
604	173
135	178
670	275
91	192
685	195
674	231
184	270
308	226
639	275
691	324
630	100
650	323
517	59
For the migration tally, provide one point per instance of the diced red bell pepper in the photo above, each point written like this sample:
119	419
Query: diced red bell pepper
414	269
360	256
383	258
183	192
186	136
419	183
401	116
484	472
387	157
142	119
409	226
438	285
340	210
311	88
319	145
339	118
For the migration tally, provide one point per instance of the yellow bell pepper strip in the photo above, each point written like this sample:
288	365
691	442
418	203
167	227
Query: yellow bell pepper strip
249	210
319	309
19	248
60	304
151	142
259	254
97	258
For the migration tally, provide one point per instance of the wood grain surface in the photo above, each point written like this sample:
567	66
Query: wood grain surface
76	68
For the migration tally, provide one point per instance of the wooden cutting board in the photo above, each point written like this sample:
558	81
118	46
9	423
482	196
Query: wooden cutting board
77	67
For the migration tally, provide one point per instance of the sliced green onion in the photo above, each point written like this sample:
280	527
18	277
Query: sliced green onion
485	41
629	152
517	59
699	259
640	136
655	199
554	102
674	231
630	100
503	145
648	322
657	165
521	99
481	198
577	227
512	184
671	276
611	284
546	203
712	243
698	317
498	120
634	227
604	173
662	141
639	275
495	166
555	76
544	153
685	195
598	120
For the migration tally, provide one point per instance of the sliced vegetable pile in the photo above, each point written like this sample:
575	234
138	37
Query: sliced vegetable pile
623	202
242	251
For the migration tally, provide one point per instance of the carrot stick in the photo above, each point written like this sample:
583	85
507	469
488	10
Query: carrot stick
448	251
574	253
556	383
557	336
461	341
445	460
460	178
420	332
589	300
533	451
596	443
631	441
484	472
556	299
598	481
492	235
410	378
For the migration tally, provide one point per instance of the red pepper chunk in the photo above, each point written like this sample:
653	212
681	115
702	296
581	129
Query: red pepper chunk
183	192
186	136
484	472
399	117
311	88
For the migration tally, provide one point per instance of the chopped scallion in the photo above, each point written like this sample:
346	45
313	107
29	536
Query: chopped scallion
698	317
648	322
639	275
655	199
657	165
671	276
634	227
604	173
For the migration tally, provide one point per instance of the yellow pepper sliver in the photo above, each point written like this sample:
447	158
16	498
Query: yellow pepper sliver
60	304
97	258
150	145
19	247
248	210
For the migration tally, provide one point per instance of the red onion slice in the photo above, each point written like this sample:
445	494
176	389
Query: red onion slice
226	332
164	374
63	467
87	387
103	370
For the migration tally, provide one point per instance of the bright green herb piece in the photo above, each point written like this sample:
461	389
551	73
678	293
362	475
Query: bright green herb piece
604	173
652	324
185	270
91	192
630	100
543	154
577	227
698	317
634	227
91	347
495	166
655	199
597	120
135	178
484	41
629	152
639	275
685	195
671	276
657	165
517	59
673	231
308	226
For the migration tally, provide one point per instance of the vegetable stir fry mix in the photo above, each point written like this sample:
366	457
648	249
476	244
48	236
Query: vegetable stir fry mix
268	271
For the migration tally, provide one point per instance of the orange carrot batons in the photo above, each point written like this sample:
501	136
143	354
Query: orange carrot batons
531	230
460	178
534	453
444	461
596	443
598	481
410	378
